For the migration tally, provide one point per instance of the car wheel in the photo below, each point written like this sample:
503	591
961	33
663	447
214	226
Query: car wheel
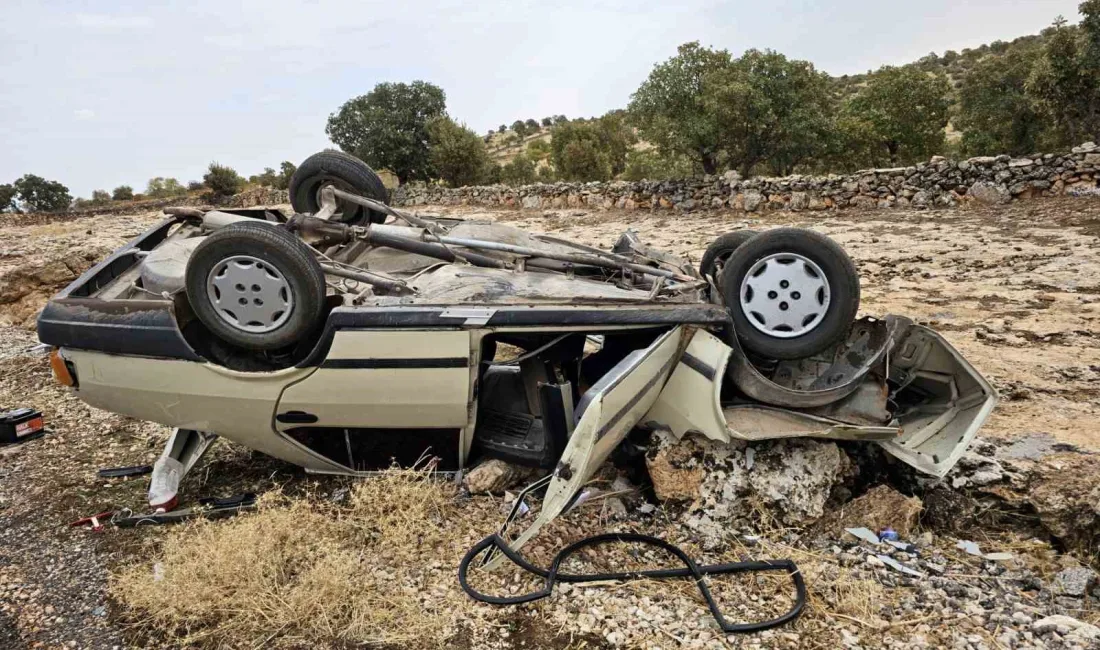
719	251
790	292
256	286
347	173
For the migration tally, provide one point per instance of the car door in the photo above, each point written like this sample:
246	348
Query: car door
379	389
605	414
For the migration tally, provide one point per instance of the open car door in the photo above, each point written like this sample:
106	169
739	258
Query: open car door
605	414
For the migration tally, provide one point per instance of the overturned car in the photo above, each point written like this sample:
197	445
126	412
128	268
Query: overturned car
351	334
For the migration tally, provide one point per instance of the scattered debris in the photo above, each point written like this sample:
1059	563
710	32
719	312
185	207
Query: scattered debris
122	472
898	566
494	476
20	425
866	534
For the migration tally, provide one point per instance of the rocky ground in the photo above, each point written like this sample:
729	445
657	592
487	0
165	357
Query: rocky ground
1014	288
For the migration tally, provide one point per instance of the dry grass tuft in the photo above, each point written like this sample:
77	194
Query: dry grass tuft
302	572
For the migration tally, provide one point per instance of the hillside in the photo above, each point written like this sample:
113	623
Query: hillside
504	146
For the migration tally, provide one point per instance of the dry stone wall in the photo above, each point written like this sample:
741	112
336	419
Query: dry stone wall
937	183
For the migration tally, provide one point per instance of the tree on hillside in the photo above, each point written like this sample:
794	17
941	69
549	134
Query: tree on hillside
222	181
519	128
162	188
457	154
996	114
532	125
670	109
520	171
388	127
286	170
1065	81
769	109
591	151
502	128
905	110
266	178
7	198
547	121
123	193
100	197
36	194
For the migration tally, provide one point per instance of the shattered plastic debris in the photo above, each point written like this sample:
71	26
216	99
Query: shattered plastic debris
866	534
998	557
898	566
969	546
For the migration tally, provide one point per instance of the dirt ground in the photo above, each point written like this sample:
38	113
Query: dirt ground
1016	289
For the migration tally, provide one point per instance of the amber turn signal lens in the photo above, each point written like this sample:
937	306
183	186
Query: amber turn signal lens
60	369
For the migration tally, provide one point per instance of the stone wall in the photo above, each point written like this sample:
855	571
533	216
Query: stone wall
937	183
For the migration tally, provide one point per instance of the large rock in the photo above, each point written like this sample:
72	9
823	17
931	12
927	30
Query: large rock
989	193
880	507
494	476
791	480
753	200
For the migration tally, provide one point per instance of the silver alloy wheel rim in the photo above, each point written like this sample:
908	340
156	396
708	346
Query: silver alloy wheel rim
785	295
250	294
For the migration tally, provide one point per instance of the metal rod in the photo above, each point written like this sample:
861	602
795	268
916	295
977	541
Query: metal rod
385	209
576	258
429	249
395	286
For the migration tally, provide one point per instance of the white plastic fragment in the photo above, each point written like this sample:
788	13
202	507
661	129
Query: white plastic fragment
998	557
866	534
969	546
898	566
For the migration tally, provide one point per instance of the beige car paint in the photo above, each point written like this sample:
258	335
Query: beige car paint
189	395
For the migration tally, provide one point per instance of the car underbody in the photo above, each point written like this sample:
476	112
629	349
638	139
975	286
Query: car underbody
463	340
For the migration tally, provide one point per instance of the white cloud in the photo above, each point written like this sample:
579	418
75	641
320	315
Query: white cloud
83	114
111	23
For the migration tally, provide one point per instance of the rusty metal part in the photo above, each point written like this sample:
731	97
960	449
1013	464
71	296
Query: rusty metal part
382	282
839	381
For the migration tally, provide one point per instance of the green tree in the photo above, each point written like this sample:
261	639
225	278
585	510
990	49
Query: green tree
538	150
593	150
1065	81
36	194
519	128
162	188
502	128
995	113
532	125
388	127
651	164
222	181
520	171
457	154
267	178
547	121
670	107
100	197
286	170
195	186
123	193
905	110
7	198
769	109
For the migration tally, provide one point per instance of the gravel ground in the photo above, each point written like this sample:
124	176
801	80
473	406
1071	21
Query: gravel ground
1014	288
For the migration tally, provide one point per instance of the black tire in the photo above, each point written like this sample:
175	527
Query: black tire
838	270
279	249
345	172
720	250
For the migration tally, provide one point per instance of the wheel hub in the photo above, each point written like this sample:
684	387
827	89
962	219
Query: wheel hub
250	294
785	295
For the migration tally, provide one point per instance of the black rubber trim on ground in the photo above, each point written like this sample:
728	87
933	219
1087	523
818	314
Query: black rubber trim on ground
377	364
690	569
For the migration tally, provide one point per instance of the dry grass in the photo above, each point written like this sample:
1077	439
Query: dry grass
301	572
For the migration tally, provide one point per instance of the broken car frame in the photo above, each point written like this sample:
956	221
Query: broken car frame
339	339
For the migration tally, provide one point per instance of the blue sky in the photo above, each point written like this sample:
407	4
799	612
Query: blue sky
97	94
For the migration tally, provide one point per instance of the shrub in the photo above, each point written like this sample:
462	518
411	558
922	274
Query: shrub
100	197
222	181
456	153
162	188
123	193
